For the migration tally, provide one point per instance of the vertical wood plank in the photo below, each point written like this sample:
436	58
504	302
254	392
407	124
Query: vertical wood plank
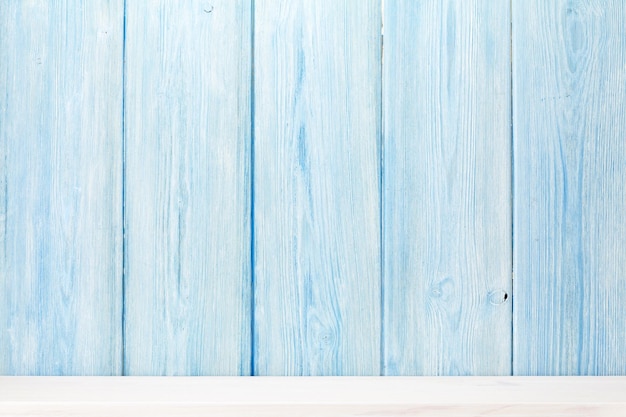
188	71
316	179
569	89
60	187
446	188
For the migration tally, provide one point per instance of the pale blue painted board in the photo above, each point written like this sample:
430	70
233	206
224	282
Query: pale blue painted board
187	125
446	188
569	89
316	187
61	187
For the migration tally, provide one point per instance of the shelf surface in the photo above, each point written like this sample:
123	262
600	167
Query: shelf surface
313	396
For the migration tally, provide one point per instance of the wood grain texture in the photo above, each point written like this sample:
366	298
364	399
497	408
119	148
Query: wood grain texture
569	90
61	187
446	188
188	71
316	196
313	396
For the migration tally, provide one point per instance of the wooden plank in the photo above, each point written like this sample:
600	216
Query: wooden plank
569	90
446	188
188	70
314	396
61	187
316	179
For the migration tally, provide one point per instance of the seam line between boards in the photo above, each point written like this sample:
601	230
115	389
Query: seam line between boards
381	188
253	335
512	185
124	248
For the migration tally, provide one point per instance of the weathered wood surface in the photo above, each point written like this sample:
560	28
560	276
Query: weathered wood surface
187	119
61	187
234	187
569	91
316	187
446	188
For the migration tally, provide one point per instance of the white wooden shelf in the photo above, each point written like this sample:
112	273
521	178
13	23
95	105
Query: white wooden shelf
313	396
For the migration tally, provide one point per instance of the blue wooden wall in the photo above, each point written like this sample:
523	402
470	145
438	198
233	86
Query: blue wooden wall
298	187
